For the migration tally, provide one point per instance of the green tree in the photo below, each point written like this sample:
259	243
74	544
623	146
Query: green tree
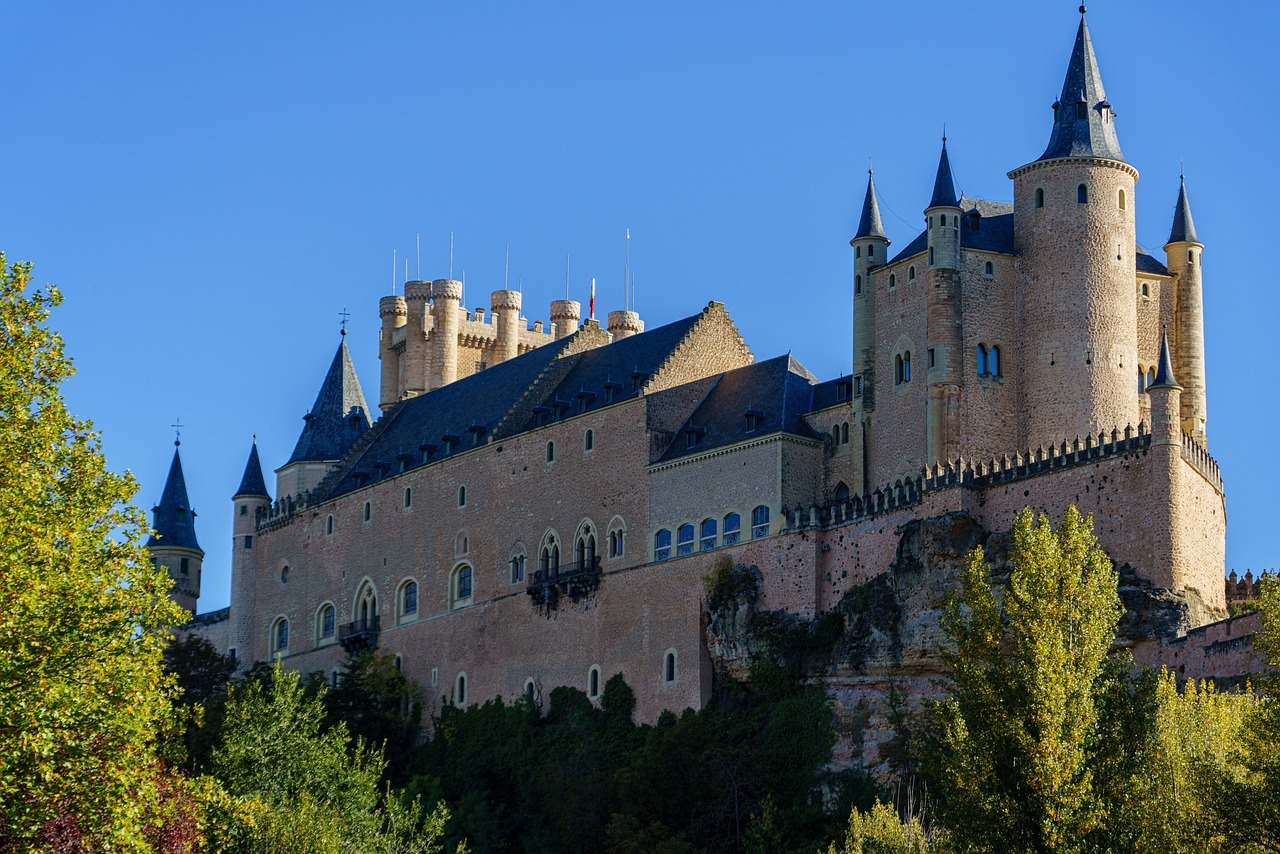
881	831
378	704
83	697
1018	741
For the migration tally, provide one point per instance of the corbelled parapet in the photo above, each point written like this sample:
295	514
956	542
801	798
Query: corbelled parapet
394	312
446	289
506	308
565	314
623	324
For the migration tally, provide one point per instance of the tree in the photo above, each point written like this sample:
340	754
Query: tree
83	698
377	703
1019	740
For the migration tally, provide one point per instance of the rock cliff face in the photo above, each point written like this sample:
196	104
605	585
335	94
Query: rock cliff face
884	636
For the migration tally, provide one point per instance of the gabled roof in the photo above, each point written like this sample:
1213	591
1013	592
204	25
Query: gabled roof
1184	228
174	520
1094	135
1148	264
777	392
869	224
338	417
252	483
944	188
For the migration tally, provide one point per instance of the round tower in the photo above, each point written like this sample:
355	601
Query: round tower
944	318
394	313
1184	251
870	250
624	324
1075	239
251	497
413	360
506	307
173	542
565	314
446	300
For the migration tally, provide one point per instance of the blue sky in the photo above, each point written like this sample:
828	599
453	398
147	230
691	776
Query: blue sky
211	185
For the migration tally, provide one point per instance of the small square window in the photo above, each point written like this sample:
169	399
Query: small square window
185	566
244	509
857	386
933	359
248	541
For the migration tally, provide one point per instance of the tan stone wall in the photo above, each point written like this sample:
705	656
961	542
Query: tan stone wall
989	401
896	437
1223	650
713	345
842	460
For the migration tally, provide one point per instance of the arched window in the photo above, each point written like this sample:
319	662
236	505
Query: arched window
669	667
462	496
1191	256
906	366
409	598
517	565
684	540
857	252
1142	380
366	606
408	497
1146	289
708	534
835	434
994	362
981	353
551	452
617	538
585	545
942	220
1082	194
460	690
760	522
1039	197
662	545
593	682
857	285
732	529
589	440
911	273
280	636
871	252
897	369
844	433
549	555
368	511
326	622
893	281
988	269
1151	377
284	573
461	544
530	690
1121	200
460	586
842	492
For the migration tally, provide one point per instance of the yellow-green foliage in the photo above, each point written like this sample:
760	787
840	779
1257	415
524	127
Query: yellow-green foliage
882	831
83	698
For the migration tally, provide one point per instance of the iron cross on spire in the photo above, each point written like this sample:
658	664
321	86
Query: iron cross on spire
344	314
177	431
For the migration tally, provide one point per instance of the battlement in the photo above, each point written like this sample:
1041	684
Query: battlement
1195	454
1244	590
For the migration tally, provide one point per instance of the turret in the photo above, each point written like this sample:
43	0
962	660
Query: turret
413	361
943	320
446	300
250	498
1166	421
1184	251
1075	240
870	250
393	311
565	314
624	324
506	308
173	541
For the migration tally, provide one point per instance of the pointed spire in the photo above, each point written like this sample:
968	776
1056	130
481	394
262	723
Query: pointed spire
869	225
944	188
1164	371
338	417
174	521
252	484
1083	121
1184	229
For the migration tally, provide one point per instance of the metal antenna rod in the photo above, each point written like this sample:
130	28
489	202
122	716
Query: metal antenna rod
451	255
626	276
393	272
566	275
417	239
506	270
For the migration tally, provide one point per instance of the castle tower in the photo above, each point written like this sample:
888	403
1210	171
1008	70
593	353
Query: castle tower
565	314
393	311
624	324
446	302
413	361
506	308
251	496
173	542
1075	239
337	419
870	250
1183	250
944	317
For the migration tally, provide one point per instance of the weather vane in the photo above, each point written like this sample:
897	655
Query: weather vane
344	314
177	431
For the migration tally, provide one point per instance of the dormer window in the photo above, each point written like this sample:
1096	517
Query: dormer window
584	400
754	420
975	220
693	436
637	380
449	442
181	516
1082	111
477	432
842	391
426	449
541	414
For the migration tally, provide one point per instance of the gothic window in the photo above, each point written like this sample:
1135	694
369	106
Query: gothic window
409	598
684	540
760	522
460	586
669	667
589	440
732	529
366	610
593	682
617	538
460	690
993	363
842	492
707	534
662	545
585	545
325	621
462	496
982	360
1142	380
549	555
1082	194
893	281
280	636
902	371
1039	197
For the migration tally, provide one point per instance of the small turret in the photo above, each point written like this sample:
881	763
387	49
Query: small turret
506	308
414	357
1184	252
624	324
1083	120
250	498
173	542
1166	422
944	317
943	217
446	300
870	250
393	311
565	314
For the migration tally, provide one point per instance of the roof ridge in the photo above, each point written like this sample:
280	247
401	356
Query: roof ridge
356	452
713	307
518	412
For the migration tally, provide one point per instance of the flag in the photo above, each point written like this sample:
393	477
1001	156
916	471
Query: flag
592	311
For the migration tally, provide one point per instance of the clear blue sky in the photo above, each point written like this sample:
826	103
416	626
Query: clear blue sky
211	184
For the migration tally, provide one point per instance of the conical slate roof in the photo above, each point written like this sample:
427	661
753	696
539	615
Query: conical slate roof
174	520
869	225
1088	132
252	483
944	188
1184	228
1164	371
338	417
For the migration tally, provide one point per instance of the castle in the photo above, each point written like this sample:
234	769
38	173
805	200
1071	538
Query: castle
539	507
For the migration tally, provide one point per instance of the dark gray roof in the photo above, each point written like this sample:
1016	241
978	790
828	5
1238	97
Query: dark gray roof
993	231
252	483
1093	135
174	520
1148	264
1164	373
778	392
828	393
944	188
338	417
1184	228
869	225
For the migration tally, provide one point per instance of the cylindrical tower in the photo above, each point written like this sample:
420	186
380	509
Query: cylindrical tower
943	318
565	314
870	250
1184	251
393	312
506	307
447	297
413	361
624	324
250	497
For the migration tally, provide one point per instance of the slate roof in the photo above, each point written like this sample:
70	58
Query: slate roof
993	234
1147	264
174	520
827	393
1090	136
944	188
779	391
869	225
252	483
338	417
1164	373
1184	228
